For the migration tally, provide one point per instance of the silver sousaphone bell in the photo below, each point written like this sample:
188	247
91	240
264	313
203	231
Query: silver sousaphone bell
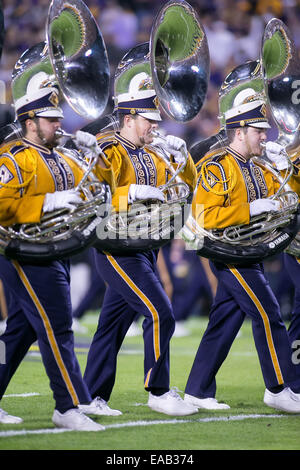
74	59
179	58
241	77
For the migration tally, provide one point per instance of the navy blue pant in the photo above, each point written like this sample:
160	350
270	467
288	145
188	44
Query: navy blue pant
242	291
133	287
40	309
95	290
293	268
187	290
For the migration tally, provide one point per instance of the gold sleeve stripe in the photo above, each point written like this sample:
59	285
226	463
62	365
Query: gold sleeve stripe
145	300
266	323
49	332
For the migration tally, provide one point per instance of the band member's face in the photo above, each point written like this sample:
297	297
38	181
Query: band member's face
46	128
254	136
144	128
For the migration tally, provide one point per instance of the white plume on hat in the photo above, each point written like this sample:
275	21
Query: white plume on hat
138	81
244	96
248	100
140	88
37	81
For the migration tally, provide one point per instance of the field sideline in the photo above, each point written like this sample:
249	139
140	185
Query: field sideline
248	425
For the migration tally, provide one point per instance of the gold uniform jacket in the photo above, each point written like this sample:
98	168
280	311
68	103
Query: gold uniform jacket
294	182
29	171
133	165
227	184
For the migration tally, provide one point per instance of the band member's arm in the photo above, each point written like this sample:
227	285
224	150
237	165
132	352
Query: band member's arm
87	145
16	205
276	153
104	172
294	183
189	174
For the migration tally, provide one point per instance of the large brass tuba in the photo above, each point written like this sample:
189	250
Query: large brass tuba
281	70
177	60
266	234
74	58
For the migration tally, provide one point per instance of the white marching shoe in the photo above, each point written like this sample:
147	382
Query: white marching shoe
205	403
180	330
286	400
170	403
76	420
99	407
5	418
2	326
134	330
78	328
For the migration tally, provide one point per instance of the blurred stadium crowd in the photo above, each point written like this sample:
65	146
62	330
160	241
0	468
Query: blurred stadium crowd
234	30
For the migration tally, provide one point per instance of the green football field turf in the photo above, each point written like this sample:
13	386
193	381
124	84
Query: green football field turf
247	425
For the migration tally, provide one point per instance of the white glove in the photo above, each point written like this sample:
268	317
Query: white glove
85	139
144	191
61	200
274	153
177	147
263	205
87	143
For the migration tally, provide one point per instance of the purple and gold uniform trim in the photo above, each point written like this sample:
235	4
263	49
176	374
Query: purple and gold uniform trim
265	320
49	332
145	300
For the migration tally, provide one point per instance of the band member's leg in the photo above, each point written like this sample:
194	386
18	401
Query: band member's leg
45	300
17	338
114	321
136	281
252	291
225	321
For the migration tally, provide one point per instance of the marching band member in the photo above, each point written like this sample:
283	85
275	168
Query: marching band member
36	179
234	190
292	263
133	283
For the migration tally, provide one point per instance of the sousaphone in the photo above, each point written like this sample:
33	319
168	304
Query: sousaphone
266	234
177	60
74	59
281	71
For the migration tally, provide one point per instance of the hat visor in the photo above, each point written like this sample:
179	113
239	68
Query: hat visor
51	113
154	116
262	125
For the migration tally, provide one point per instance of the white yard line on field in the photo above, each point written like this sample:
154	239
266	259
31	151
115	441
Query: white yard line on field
22	395
24	432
